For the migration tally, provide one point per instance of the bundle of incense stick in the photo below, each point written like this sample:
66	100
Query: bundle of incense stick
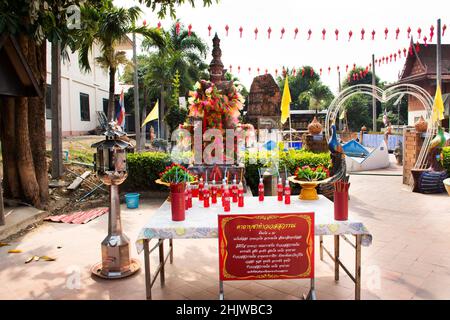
341	186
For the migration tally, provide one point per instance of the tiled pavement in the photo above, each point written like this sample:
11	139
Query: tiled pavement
409	258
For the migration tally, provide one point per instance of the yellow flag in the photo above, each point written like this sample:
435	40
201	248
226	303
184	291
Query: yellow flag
153	115
438	106
343	114
285	102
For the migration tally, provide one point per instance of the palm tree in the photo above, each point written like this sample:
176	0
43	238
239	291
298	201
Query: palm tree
184	53
108	27
318	95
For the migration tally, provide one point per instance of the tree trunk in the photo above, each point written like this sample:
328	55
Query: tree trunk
162	111
111	102
25	163
11	182
144	114
57	163
36	119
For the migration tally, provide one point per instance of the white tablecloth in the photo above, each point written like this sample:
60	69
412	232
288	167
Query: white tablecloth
201	222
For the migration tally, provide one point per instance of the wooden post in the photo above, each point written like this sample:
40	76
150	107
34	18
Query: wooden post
57	165
137	120
439	54
374	101
2	209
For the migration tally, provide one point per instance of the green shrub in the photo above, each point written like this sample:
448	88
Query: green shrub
446	158
290	159
144	169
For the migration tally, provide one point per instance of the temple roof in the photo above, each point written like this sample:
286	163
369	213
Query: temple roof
422	64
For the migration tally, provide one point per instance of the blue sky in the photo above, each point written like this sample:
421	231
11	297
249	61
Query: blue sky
304	15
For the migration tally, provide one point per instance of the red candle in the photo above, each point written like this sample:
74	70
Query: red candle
261	190
241	195
234	191
214	192
223	187
226	200
280	190
287	193
206	196
189	188
200	189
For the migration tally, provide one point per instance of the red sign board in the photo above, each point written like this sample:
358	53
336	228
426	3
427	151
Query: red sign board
266	246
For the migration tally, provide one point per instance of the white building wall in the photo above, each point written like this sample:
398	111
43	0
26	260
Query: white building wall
413	116
73	82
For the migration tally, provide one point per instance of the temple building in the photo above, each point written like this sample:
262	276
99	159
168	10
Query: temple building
420	69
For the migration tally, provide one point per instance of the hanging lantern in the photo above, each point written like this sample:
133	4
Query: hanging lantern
397	32
338	68
266	71
346	68
324	32
159	25
376	61
282	32
443	29
189	30
144	23
177	28
363	32
268	32
373	35
350	34
387	59
386	32
295	33
336	32
383	59
417	47
226	30
249	70
320	71
419	32
239	69
390	58
399	53
240	31
431	33
209	30
409	32
379	62
276	72
256	33
303	72
231	68
354	66
309	34
312	72
395	57
425	39
257	71
329	70
404	52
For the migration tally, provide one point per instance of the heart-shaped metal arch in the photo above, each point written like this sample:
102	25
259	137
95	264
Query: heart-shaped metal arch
383	96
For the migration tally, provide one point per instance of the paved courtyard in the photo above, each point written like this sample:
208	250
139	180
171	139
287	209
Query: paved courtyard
409	257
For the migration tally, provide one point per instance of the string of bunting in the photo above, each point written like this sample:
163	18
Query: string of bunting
426	35
381	61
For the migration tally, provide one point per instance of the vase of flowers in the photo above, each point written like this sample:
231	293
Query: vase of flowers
309	177
176	176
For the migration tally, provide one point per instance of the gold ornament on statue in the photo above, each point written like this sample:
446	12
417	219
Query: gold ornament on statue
421	125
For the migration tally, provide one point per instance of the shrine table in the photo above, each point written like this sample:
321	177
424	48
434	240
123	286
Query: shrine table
202	223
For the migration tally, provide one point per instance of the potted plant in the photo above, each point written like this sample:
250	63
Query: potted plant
309	177
176	176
